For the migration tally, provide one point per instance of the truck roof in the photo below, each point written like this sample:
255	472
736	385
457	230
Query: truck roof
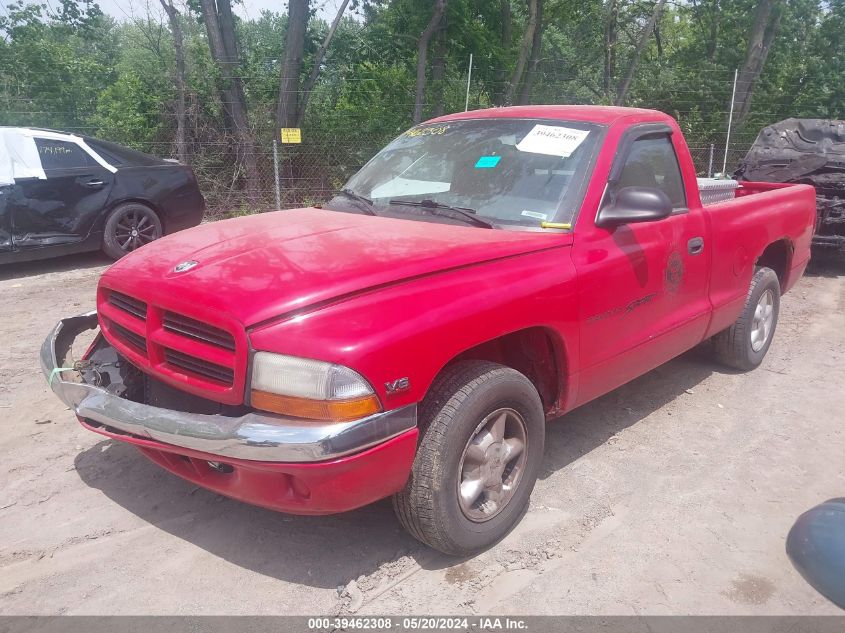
604	115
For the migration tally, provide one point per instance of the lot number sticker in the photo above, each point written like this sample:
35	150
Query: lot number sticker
552	140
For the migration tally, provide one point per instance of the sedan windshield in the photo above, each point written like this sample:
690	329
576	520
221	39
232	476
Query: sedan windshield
518	172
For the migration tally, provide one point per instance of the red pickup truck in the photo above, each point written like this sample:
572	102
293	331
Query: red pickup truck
484	273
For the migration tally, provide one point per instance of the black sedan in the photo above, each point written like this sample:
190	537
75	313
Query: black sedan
62	193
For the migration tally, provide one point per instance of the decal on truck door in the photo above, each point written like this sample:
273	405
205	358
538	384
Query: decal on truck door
621	310
674	274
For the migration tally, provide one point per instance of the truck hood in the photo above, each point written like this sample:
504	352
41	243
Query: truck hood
260	267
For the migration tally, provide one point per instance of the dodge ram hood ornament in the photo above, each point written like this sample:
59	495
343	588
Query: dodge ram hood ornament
185	266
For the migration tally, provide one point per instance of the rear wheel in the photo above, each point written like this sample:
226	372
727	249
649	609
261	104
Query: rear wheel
744	345
128	227
482	429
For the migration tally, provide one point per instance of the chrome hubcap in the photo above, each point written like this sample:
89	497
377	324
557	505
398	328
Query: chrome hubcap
764	318
492	465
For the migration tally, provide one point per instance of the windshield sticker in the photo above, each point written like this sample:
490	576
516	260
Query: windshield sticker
534	214
552	140
487	162
434	130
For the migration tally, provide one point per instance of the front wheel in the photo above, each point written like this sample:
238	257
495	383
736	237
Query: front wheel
128	227
482	429
744	344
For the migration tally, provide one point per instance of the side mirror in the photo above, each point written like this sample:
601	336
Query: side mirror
635	204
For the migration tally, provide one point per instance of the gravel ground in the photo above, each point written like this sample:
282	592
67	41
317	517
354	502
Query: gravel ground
671	495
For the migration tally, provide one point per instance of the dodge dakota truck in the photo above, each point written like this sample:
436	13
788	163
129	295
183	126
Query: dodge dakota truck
484	273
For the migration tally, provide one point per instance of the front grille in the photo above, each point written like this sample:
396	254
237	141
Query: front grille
199	366
195	357
198	330
135	340
128	304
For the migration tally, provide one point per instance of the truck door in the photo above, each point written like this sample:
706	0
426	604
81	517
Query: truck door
62	208
643	286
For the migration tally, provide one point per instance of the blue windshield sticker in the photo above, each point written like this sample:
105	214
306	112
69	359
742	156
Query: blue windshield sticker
487	162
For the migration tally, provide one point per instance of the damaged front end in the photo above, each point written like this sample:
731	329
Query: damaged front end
109	394
805	151
277	462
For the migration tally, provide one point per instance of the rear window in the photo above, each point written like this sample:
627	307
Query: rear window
121	156
62	155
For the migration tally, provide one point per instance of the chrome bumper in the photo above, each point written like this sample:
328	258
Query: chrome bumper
255	436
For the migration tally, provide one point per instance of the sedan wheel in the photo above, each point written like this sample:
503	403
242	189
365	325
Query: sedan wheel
129	227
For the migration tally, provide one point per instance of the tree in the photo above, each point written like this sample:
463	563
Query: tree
524	49
318	61
645	34
287	108
422	53
766	20
220	27
180	80
534	59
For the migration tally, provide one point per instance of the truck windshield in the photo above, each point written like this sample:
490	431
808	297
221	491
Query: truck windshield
517	172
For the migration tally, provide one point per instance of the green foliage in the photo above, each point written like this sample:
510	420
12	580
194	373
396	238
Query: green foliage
71	67
54	67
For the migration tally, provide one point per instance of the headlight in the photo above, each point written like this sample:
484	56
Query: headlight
307	388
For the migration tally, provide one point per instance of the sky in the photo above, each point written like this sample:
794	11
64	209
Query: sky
127	9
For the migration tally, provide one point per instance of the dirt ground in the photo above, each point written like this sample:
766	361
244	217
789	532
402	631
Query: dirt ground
671	495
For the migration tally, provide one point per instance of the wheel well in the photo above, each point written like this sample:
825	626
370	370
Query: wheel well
777	256
534	352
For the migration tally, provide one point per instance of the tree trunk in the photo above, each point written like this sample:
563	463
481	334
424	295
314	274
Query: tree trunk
499	90
318	61
536	48
622	93
179	79
227	31
438	69
422	52
610	38
524	50
215	45
287	108
715	21
232	93
766	22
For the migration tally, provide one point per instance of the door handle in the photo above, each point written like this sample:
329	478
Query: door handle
94	184
695	246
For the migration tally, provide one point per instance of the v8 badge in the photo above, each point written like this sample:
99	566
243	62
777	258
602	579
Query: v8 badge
397	386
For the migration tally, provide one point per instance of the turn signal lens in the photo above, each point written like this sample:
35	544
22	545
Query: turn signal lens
337	410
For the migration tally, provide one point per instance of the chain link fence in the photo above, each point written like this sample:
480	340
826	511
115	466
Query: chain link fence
289	175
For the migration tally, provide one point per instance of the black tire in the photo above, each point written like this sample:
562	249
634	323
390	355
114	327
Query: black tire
128	227
460	399
735	346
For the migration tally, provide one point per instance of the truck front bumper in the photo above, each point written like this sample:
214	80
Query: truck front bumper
287	464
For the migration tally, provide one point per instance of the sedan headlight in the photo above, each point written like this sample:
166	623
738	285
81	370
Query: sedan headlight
306	388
